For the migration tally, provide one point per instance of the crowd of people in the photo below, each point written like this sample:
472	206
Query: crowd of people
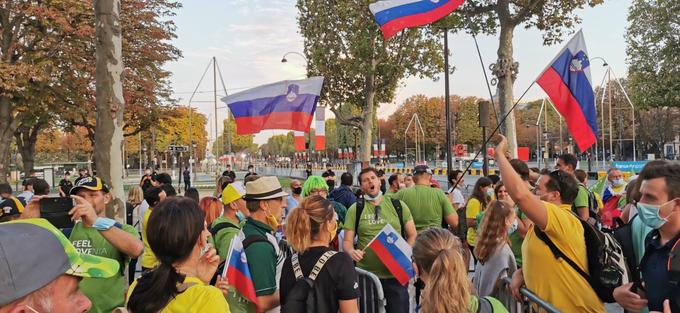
534	229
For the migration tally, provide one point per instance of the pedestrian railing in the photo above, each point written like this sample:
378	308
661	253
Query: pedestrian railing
532	304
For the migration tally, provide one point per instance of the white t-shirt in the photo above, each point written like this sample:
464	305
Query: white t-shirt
457	197
140	214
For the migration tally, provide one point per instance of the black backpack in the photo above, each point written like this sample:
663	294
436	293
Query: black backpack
217	227
606	263
303	296
397	206
249	240
593	207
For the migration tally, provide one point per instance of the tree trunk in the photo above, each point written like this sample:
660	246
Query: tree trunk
7	128
506	70
110	104
25	140
368	112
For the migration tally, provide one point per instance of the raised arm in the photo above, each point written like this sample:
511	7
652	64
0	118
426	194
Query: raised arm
527	202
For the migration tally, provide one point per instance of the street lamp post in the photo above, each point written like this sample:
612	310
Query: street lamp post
308	147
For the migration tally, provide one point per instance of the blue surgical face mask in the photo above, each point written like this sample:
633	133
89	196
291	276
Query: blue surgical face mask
649	214
489	192
240	216
513	228
369	198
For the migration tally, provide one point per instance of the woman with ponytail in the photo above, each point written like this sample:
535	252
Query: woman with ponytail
180	283
496	260
437	254
309	230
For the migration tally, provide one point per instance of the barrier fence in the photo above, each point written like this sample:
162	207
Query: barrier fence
532	304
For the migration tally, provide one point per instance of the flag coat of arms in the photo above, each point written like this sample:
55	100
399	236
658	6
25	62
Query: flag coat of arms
394	252
286	105
237	271
395	15
568	83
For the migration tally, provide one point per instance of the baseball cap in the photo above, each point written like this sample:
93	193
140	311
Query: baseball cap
91	183
34	253
421	169
11	206
233	192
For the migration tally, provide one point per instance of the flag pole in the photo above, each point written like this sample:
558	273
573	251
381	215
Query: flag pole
486	78
447	101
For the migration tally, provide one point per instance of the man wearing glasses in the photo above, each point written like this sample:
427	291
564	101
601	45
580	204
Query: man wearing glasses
375	213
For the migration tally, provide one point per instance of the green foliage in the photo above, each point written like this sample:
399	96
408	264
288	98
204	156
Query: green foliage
653	38
239	143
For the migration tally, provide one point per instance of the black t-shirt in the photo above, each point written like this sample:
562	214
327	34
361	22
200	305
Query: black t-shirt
229	173
186	174
65	185
336	281
146	182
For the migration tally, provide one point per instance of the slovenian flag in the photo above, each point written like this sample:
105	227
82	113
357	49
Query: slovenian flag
286	105
568	84
395	15
394	252
237	271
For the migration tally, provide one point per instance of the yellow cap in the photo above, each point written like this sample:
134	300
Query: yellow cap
233	192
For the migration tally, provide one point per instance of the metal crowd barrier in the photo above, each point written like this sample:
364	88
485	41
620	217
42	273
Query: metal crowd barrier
533	303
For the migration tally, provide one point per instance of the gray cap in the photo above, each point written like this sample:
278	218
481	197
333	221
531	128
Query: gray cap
33	253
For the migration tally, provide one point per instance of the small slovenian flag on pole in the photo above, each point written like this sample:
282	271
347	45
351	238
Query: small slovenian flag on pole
396	15
568	84
237	271
394	252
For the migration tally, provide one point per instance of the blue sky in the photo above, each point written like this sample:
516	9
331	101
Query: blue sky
249	37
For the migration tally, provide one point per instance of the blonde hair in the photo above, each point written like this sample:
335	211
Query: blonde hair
438	253
212	207
304	222
135	195
493	230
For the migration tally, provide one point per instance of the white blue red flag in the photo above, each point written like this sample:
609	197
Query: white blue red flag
237	271
395	15
287	105
394	252
568	84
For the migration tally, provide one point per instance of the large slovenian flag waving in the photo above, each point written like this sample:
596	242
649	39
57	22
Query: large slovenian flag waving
394	252
287	104
395	15
568	84
237	271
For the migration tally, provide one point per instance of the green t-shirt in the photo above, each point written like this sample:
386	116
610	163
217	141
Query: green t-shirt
581	198
369	227
262	259
105	293
222	241
428	205
389	194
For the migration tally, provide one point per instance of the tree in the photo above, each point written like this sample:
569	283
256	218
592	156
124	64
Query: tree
175	131
239	143
653	38
108	143
552	17
360	68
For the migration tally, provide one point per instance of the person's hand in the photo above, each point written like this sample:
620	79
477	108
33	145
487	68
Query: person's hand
222	284
84	211
207	265
517	283
32	208
666	307
356	255
627	299
501	147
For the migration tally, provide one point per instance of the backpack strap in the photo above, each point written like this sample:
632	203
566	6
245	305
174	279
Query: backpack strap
357	217
400	213
484	305
320	263
296	266
253	239
558	254
217	227
674	264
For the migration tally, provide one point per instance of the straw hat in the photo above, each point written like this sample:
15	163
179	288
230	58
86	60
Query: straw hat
264	188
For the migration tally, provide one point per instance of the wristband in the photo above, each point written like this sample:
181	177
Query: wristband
103	223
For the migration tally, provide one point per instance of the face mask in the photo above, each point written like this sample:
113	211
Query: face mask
272	221
369	198
402	186
649	214
297	190
250	170
334	231
489	192
513	228
240	215
618	182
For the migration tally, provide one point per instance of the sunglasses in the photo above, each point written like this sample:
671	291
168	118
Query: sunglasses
378	209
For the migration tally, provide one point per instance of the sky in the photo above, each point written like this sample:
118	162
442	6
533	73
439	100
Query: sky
248	38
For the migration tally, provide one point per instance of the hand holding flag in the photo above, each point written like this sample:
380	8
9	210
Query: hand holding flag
237	272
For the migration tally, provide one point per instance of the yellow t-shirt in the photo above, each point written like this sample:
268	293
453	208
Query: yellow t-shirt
149	260
561	285
197	298
472	209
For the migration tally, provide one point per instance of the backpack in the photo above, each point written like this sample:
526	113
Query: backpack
593	207
624	236
249	240
397	206
490	305
606	263
303	296
217	227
